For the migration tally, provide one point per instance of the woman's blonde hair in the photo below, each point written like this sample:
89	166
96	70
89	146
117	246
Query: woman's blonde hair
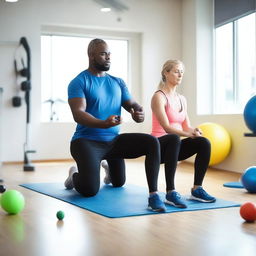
168	65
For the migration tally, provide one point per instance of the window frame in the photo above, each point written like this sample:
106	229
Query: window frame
236	108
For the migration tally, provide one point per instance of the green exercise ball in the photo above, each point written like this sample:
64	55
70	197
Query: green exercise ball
12	201
60	215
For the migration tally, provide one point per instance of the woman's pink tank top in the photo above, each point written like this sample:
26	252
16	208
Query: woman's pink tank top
176	118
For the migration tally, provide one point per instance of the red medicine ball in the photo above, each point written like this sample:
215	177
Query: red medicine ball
248	212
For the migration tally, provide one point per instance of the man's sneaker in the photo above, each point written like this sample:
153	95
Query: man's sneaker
69	181
107	179
174	198
201	195
155	203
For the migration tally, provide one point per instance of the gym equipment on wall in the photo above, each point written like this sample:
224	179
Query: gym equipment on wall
25	86
54	115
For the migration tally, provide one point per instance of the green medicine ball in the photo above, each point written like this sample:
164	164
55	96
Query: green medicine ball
12	201
60	215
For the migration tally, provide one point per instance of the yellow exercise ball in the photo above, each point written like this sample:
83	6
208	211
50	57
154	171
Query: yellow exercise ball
220	141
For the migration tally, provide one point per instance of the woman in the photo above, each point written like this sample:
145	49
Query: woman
170	121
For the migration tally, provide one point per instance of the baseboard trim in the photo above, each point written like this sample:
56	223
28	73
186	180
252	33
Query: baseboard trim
40	161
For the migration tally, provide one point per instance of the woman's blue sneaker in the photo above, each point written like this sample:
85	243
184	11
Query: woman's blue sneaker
201	195
155	203
175	199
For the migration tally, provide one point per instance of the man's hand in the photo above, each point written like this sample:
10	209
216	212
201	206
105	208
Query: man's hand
137	114
113	120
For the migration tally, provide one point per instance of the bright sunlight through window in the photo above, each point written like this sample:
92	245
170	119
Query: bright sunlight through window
235	66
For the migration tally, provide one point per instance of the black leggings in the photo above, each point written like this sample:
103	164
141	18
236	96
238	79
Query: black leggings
173	149
88	155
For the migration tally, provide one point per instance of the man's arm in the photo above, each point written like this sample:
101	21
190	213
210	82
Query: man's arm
78	106
135	109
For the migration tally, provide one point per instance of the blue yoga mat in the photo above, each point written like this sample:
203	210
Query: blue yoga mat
129	200
234	184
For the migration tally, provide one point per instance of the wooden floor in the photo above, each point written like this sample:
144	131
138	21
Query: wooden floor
37	232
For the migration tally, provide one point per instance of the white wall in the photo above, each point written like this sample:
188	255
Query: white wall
158	21
197	50
169	29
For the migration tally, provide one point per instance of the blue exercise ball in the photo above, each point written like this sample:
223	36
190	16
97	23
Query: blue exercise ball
249	179
250	114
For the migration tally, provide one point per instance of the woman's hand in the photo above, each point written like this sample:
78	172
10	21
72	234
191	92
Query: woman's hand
197	132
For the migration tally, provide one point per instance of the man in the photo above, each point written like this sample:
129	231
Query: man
95	99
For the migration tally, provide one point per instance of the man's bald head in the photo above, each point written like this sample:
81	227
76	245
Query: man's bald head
93	45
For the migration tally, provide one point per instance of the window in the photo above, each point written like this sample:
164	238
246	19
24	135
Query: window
64	57
235	65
